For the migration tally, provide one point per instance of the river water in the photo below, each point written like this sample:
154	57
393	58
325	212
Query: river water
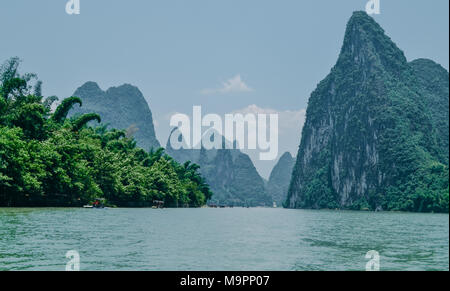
221	239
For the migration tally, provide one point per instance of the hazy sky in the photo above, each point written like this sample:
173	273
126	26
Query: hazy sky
222	54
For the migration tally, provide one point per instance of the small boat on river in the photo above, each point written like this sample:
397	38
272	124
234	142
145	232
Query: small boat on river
99	203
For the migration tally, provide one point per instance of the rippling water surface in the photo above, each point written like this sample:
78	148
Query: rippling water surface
221	239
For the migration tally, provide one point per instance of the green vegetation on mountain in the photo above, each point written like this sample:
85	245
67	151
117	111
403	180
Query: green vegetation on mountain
280	177
48	159
122	107
230	173
376	133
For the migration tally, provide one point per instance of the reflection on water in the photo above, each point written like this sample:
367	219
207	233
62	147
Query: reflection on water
221	239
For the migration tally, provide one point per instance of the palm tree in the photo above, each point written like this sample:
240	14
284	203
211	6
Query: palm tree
107	136
154	156
84	119
11	82
63	109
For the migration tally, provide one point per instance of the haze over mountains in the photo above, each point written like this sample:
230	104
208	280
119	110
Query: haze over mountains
280	177
376	133
230	173
375	137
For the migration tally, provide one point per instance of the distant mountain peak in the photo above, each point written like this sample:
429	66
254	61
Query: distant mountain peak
280	177
211	133
121	107
91	86
125	88
286	155
231	174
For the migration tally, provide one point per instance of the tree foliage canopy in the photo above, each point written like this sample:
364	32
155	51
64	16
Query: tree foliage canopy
47	159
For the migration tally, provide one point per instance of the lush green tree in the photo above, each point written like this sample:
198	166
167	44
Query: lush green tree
49	160
84	119
63	109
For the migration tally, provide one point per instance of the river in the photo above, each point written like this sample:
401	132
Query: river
221	239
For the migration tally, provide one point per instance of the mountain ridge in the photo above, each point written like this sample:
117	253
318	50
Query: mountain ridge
123	107
278	183
369	141
230	173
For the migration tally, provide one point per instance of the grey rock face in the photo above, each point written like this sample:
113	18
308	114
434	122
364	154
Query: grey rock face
231	175
122	107
372	124
280	177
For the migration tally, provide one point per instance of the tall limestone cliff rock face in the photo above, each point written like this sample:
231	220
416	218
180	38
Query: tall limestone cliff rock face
122	107
232	177
280	177
376	133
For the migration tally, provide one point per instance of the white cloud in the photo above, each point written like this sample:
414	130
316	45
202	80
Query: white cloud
233	85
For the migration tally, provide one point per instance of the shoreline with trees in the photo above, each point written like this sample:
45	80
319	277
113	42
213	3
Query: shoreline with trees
47	159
